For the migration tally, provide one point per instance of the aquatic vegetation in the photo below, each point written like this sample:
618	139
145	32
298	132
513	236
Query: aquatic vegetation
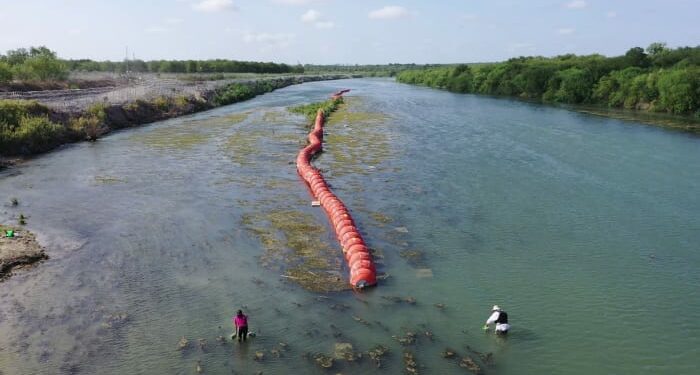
14	201
293	239
22	220
172	138
323	360
357	142
380	217
408	339
243	147
409	361
448	353
396	299
345	350
109	180
275	117
377	354
469	364
310	110
415	258
183	343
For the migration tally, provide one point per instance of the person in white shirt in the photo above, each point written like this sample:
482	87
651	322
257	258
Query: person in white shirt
500	318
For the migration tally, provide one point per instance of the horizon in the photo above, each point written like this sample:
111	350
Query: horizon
331	32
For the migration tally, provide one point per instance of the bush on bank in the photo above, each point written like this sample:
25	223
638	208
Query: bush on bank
656	79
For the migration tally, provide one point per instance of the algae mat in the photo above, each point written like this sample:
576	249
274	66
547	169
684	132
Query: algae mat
293	239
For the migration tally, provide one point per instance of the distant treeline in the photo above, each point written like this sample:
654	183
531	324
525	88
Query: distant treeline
34	64
42	64
388	70
182	66
656	79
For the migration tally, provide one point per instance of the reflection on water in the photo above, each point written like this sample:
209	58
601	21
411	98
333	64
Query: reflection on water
582	228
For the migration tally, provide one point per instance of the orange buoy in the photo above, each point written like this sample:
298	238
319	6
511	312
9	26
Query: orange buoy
356	253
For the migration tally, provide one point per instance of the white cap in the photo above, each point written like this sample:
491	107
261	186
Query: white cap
496	308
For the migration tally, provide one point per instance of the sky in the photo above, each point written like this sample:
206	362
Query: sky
345	31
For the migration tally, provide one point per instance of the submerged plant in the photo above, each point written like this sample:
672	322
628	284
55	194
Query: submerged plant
14	201
22	219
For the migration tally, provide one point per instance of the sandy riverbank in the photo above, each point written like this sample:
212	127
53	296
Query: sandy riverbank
19	251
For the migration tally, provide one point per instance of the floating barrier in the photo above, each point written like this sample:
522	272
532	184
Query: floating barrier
362	270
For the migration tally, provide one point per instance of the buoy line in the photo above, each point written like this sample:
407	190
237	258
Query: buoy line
363	273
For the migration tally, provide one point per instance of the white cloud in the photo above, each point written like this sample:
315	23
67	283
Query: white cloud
469	17
173	21
566	31
611	14
213	5
577	4
270	39
75	32
389	12
314	17
311	16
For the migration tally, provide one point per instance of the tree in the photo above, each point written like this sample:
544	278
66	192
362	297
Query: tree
657	49
575	87
636	57
5	73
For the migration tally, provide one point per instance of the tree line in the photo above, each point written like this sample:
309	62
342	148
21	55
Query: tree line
371	70
42	64
182	66
657	79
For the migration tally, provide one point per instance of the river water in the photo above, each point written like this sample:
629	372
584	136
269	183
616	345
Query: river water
584	229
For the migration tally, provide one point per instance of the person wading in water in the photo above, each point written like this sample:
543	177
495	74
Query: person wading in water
240	322
499	317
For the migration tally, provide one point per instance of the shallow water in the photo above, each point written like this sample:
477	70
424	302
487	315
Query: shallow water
584	229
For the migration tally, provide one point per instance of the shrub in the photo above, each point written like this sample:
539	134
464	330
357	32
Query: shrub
88	126
233	94
5	73
33	135
12	112
181	101
162	103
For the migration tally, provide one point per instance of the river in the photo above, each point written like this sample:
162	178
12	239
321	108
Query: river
584	229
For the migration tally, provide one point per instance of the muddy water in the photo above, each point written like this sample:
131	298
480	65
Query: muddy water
584	229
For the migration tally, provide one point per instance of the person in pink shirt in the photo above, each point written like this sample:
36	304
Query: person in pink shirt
240	322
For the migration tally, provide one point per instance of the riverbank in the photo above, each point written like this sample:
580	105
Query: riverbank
20	250
33	127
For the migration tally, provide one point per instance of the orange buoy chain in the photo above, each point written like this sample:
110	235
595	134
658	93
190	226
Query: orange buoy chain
362	270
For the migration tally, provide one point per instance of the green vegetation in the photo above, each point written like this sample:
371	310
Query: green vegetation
91	124
389	70
310	110
181	66
42	64
25	128
33	64
237	92
658	79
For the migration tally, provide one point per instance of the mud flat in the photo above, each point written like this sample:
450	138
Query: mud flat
19	251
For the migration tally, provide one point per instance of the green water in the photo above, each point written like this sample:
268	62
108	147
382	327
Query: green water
584	229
